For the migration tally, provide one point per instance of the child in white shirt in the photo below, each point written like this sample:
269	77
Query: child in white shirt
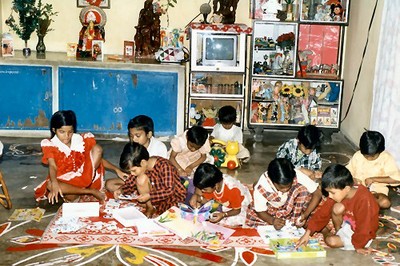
226	130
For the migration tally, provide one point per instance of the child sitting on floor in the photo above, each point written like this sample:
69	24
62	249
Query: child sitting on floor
226	130
74	160
141	130
189	150
301	151
154	178
353	210
233	196
374	167
284	193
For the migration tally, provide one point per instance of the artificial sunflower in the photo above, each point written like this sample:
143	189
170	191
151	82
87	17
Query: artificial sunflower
298	91
286	90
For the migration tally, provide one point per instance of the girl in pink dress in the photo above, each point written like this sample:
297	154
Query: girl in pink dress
74	161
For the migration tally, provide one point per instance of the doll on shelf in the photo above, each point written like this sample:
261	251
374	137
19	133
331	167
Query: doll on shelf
336	12
93	20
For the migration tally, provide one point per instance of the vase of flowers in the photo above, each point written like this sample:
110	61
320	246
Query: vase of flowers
286	41
45	14
31	17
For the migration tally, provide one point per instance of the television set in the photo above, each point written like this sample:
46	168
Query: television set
219	50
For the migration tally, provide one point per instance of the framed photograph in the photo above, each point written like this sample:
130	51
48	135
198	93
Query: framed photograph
129	49
7	48
85	3
323	11
71	49
97	50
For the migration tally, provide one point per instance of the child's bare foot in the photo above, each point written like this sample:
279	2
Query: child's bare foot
99	195
150	212
71	198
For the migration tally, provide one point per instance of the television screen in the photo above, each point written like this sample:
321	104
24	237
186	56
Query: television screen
219	50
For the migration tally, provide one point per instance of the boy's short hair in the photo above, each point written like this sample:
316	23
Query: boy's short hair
227	114
336	176
142	122
281	171
207	175
309	136
372	142
132	155
197	135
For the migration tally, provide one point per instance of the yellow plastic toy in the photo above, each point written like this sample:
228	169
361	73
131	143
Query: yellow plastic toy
224	153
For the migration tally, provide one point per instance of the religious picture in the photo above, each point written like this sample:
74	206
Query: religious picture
97	50
129	49
71	49
85	3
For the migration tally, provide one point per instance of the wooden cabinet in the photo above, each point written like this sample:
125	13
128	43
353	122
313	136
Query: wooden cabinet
106	99
104	95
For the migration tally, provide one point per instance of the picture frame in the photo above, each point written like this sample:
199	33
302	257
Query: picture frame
98	50
129	49
85	3
7	48
71	49
322	11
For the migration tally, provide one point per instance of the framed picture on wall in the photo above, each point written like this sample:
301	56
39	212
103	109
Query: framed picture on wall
85	3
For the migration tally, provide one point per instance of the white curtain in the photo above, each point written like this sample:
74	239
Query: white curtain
386	93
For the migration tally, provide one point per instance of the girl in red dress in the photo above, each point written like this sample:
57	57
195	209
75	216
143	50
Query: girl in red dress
74	161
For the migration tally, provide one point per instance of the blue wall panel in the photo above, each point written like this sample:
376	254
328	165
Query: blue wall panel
105	99
26	97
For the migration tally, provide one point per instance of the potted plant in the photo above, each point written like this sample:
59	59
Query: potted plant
31	17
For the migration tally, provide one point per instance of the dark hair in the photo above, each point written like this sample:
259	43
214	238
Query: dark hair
62	118
309	136
371	143
207	175
227	114
142	122
336	176
132	155
281	171
197	135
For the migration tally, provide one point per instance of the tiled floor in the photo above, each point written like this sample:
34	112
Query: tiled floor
22	170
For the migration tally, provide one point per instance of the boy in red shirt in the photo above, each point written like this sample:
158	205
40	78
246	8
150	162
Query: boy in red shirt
353	210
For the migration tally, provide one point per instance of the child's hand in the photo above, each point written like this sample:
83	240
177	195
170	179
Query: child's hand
216	217
193	202
54	192
122	175
301	221
181	172
303	240
364	251
369	181
278	223
143	198
188	170
317	174
117	193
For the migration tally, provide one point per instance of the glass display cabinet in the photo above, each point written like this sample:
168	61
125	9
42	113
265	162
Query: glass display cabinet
296	63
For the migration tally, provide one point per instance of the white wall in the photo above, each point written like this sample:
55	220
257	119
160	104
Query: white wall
121	20
360	110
